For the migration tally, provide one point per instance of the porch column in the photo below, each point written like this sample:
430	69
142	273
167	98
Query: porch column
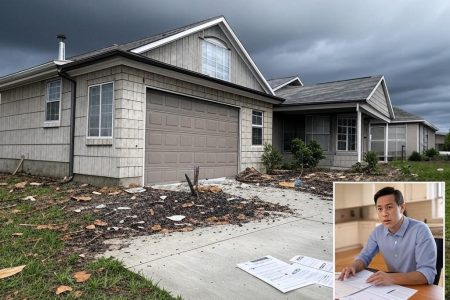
358	132
386	143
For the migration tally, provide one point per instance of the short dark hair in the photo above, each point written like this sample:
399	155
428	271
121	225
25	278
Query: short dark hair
389	191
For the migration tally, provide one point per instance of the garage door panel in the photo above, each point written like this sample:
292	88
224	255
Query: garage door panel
182	132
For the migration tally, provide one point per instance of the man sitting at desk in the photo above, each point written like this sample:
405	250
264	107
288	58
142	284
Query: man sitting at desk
407	245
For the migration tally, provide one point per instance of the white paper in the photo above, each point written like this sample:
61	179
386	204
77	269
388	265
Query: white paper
276	273
356	288
320	271
315	263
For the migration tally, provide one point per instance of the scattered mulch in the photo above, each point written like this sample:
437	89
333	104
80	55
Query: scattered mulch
315	181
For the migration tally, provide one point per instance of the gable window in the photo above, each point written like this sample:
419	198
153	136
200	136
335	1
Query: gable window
100	116
346	135
318	129
215	59
53	103
257	127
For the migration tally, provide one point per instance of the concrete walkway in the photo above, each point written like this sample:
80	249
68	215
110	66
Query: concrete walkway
202	264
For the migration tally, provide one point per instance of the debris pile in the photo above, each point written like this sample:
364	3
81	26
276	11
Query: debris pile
251	175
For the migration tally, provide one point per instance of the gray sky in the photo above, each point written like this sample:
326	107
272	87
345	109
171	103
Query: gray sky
406	41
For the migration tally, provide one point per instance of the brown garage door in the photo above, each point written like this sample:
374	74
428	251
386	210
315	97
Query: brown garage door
183	132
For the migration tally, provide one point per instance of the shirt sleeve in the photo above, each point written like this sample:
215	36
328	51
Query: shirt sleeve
426	254
369	250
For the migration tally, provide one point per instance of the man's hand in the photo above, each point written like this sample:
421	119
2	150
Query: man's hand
347	272
380	278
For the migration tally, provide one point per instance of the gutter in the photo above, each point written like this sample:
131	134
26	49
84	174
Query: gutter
72	119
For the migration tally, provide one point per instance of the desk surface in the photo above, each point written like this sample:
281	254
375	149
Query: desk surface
345	258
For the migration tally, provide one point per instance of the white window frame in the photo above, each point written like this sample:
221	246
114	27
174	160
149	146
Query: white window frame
346	134
393	128
218	43
100	113
312	133
258	126
53	123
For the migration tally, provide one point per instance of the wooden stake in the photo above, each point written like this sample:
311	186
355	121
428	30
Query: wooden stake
190	185
20	164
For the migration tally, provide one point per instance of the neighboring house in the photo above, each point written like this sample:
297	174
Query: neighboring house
143	112
440	141
338	115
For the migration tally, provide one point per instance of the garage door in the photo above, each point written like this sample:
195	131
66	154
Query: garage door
183	132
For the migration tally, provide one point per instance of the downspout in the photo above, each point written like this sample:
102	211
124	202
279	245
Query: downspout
72	119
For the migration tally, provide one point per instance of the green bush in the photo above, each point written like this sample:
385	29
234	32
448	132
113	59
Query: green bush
405	170
447	142
358	167
371	158
415	156
271	158
307	156
431	153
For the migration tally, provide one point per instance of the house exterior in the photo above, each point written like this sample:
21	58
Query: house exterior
347	118
144	112
440	141
148	111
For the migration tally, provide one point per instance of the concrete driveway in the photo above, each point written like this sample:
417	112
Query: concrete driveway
202	264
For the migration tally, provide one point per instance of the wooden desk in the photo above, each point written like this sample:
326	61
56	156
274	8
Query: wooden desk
345	258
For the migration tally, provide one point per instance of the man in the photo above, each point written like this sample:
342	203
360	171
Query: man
407	245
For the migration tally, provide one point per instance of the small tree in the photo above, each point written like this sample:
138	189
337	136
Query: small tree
306	156
371	158
271	158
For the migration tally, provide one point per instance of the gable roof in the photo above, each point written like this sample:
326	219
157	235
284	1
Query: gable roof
403	116
145	44
278	83
350	90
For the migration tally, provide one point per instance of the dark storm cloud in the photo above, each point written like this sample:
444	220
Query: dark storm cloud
407	41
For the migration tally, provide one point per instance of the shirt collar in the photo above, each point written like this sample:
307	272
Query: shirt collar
401	231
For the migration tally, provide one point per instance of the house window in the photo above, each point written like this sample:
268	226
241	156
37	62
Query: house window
396	139
346	139
257	127
317	128
215	59
100	117
53	104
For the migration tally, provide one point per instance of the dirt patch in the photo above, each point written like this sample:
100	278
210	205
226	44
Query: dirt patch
316	181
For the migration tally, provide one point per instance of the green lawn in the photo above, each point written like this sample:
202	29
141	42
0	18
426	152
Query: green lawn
427	171
49	264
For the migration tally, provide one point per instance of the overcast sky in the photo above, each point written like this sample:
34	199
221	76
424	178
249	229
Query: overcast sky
406	41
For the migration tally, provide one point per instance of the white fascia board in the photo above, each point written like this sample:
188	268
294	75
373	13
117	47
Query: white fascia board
288	82
302	107
383	83
182	34
23	78
375	113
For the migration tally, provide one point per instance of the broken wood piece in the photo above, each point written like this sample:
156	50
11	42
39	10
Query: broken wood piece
193	192
196	173
20	164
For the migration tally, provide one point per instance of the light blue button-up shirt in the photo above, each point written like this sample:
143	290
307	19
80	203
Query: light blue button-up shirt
411	248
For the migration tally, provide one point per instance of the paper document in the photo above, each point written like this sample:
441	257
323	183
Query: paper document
276	273
287	277
356	288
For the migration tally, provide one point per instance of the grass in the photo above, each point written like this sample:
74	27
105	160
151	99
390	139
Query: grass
48	265
427	171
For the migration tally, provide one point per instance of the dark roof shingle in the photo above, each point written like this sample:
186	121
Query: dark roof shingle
350	90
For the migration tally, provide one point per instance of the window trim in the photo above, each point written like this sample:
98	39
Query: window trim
112	116
346	141
53	123
258	126
219	43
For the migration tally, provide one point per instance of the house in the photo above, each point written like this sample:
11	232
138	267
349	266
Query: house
148	111
143	112
440	141
347	118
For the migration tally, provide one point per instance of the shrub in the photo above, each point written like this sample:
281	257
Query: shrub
271	158
415	156
371	158
405	170
431	153
306	155
358	167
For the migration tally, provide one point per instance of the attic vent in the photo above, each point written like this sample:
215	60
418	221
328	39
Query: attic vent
62	47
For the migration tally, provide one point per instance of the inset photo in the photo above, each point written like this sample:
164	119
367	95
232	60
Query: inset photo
389	240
